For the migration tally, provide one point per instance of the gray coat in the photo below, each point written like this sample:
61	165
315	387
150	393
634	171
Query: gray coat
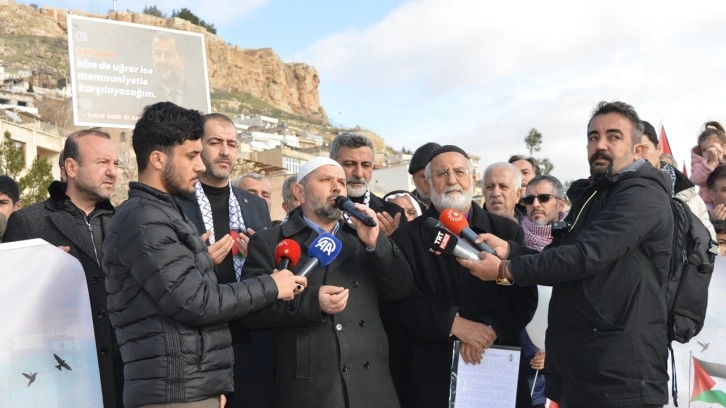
332	361
61	223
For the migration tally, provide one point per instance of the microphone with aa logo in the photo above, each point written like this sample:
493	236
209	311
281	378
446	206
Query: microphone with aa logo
456	222
443	242
323	250
287	254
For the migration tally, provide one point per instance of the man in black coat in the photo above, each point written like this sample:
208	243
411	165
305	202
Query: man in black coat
448	302
218	208
331	346
169	313
76	218
607	324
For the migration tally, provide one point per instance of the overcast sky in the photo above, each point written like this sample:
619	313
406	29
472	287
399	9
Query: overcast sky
480	74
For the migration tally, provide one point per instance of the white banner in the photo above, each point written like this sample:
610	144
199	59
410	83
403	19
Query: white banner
709	345
47	347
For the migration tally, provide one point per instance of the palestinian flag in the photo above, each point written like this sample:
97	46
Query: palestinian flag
703	382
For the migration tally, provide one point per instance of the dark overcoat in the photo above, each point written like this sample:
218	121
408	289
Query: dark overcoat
444	288
340	360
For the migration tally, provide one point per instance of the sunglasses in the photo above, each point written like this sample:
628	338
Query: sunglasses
542	198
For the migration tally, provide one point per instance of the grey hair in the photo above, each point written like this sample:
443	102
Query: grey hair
557	188
516	174
286	193
350	141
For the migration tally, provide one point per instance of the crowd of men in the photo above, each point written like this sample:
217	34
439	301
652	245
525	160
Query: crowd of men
194	306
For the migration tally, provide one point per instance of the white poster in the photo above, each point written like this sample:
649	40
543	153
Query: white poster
709	346
47	346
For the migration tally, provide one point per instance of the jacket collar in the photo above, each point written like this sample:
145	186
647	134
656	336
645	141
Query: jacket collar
59	200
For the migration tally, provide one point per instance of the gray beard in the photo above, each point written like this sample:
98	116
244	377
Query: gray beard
356	191
459	202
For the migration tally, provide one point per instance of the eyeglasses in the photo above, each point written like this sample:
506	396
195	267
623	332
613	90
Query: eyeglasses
542	198
459	173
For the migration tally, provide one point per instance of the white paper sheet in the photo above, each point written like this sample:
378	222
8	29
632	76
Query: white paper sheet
491	383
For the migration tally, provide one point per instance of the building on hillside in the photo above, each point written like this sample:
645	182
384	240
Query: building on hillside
38	138
260	121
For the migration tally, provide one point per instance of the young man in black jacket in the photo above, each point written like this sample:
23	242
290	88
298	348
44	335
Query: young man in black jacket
606	338
169	312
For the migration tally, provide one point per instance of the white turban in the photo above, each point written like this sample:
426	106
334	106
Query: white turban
314	164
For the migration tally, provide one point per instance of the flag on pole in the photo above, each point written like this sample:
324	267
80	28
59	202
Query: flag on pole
663	141
704	386
685	171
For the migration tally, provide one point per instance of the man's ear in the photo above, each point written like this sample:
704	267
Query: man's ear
157	160
18	205
299	192
71	167
712	195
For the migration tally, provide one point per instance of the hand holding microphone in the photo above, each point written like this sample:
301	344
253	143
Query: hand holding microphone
456	222
443	242
344	203
287	254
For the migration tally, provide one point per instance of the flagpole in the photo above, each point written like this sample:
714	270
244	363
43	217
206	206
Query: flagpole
690	366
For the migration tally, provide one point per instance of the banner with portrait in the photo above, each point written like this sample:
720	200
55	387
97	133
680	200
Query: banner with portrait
118	68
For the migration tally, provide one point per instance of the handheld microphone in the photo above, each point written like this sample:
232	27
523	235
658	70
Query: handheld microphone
322	251
443	242
287	254
344	203
456	222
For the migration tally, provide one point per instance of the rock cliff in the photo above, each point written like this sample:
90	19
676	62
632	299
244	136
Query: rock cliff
36	39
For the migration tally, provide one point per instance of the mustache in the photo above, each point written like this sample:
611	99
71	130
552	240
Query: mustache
449	189
601	155
360	180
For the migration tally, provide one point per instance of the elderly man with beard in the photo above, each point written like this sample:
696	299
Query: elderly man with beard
607	321
448	302
169	313
76	217
331	346
219	209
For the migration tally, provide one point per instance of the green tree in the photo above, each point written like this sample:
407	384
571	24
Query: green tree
545	165
34	184
186	14
153	11
533	141
12	157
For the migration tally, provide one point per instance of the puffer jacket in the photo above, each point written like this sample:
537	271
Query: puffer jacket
169	314
606	339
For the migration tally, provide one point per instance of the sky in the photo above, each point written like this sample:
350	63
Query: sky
481	74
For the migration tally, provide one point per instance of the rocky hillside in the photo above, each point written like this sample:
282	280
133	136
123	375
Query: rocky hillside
36	39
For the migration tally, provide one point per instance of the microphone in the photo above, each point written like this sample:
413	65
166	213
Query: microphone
287	254
344	203
456	222
443	242
322	251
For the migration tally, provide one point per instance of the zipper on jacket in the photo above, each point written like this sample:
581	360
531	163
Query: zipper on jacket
93	241
201	350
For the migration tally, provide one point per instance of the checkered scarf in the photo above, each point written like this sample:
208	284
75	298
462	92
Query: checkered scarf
235	220
538	236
